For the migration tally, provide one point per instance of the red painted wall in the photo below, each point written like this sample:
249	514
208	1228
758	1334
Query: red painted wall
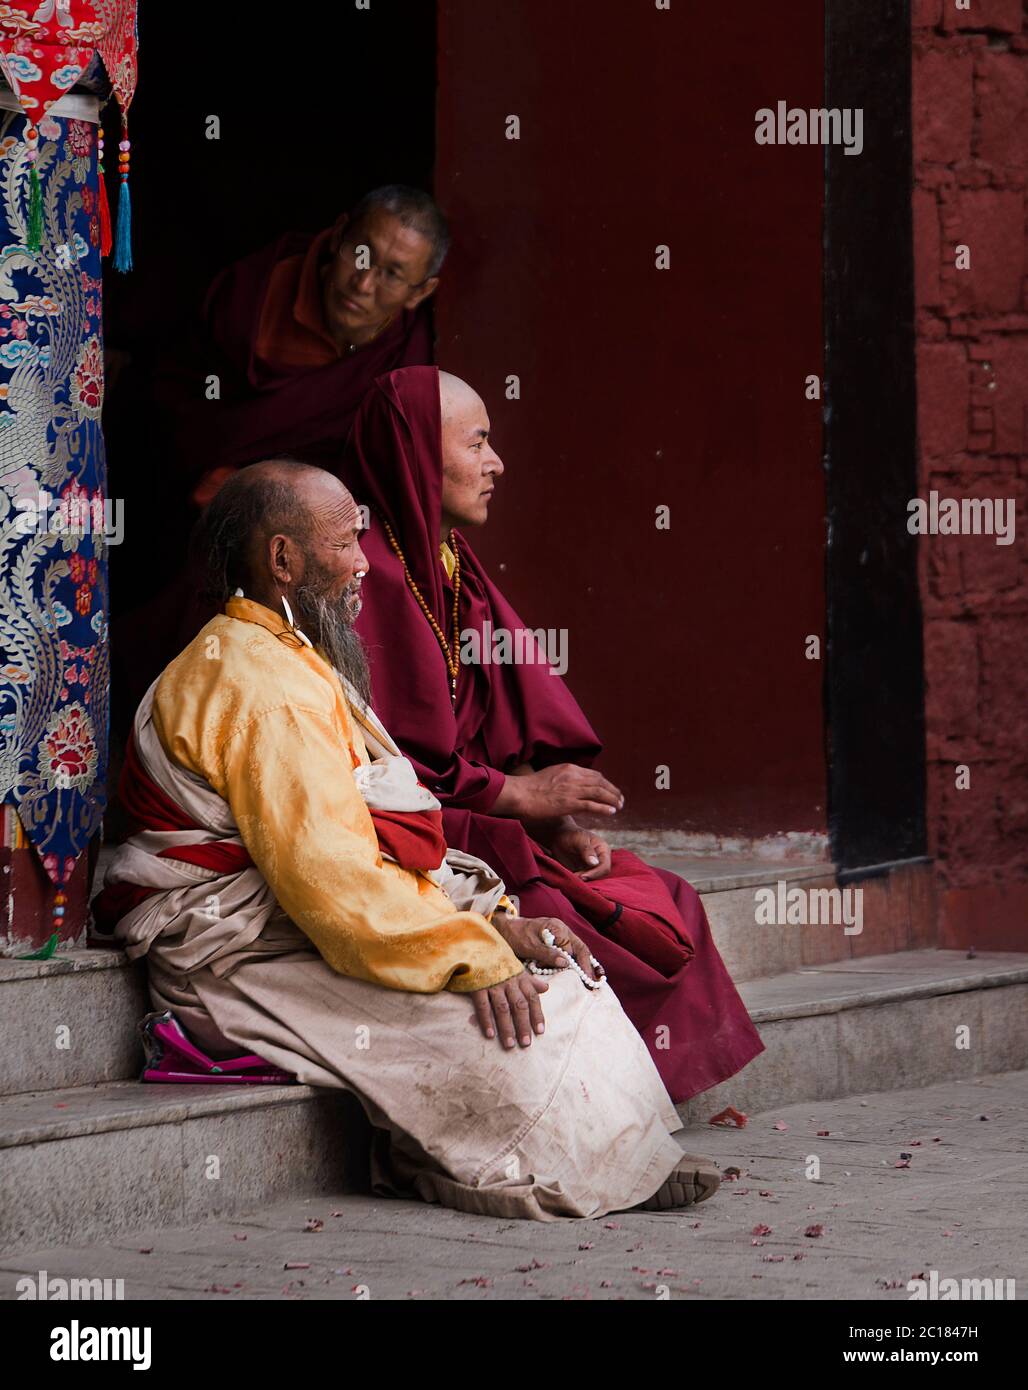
971	163
642	387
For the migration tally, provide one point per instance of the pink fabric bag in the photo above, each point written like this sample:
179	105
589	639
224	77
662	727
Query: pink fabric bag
171	1057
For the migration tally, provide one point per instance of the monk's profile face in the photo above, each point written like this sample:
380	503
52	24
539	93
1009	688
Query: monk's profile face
377	268
333	563
471	465
320	555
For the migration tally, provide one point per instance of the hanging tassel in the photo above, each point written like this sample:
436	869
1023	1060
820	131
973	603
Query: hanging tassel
104	207
34	230
123	233
44	952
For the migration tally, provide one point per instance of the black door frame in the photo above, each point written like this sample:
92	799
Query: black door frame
874	672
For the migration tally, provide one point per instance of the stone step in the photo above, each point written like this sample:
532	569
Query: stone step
897	910
89	1161
878	1023
71	1021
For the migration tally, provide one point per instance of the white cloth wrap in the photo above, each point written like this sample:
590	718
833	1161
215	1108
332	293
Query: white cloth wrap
390	783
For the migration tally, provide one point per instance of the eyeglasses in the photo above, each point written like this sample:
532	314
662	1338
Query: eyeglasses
384	274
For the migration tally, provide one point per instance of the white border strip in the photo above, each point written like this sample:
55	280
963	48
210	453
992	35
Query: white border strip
79	106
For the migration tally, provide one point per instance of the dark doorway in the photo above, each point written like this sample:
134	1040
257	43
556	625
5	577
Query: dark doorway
313	112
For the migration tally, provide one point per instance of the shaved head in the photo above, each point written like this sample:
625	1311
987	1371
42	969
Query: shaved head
470	464
457	397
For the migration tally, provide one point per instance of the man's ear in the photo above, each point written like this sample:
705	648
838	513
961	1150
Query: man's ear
419	295
280	559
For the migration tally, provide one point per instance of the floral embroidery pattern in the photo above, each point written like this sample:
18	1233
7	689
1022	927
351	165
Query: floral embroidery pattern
87	380
46	46
68	752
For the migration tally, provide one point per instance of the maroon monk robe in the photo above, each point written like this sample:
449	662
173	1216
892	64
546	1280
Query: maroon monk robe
264	409
267	408
664	968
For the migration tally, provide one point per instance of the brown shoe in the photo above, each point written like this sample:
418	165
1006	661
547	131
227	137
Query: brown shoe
693	1180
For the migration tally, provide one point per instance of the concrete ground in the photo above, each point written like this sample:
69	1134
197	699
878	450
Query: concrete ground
870	1222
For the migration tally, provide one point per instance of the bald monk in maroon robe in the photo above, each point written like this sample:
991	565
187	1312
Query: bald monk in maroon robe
505	747
295	335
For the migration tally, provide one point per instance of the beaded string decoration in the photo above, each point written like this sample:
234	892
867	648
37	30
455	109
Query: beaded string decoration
106	240
452	657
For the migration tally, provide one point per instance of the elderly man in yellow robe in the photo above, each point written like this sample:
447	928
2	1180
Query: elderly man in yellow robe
291	891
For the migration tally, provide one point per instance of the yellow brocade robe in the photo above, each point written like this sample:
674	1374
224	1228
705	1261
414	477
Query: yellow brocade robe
263	719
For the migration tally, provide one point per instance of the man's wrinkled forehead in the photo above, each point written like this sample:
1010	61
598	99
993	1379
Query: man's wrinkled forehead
337	514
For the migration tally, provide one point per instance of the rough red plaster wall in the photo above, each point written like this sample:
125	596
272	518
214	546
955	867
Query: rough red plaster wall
970	174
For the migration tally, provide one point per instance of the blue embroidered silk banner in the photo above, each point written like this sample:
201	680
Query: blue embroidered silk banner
53	568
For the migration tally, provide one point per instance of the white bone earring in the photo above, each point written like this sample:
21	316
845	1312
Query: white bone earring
289	619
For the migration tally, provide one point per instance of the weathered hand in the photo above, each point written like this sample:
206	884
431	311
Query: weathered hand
524	937
582	851
563	790
511	1010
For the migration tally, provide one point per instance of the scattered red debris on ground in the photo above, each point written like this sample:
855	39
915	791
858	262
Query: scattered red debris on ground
606	1284
536	1264
800	1255
480	1281
147	1250
236	1236
779	1124
761	1230
612	1225
814	1231
821	1134
313	1223
729	1118
765	1193
773	1259
586	1245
